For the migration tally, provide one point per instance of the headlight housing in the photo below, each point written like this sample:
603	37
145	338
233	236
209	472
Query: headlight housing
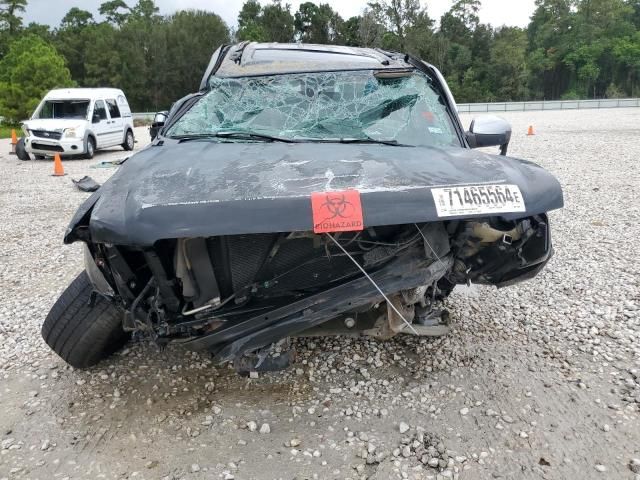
70	133
25	130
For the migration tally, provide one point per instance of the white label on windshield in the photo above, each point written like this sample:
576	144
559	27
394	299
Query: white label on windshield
478	200
436	130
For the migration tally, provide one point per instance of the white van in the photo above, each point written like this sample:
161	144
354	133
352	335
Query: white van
77	121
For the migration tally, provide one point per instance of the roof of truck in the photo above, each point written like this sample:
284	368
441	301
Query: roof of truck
81	93
251	58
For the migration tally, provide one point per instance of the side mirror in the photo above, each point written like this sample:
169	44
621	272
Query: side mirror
489	131
158	122
160	118
95	118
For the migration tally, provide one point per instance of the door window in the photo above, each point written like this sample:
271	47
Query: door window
100	110
114	111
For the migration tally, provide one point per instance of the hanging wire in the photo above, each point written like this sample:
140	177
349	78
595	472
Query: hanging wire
389	302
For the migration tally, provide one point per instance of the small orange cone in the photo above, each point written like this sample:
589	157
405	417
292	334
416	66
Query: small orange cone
530	132
58	169
14	142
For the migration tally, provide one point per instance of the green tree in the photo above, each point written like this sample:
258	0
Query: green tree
115	11
72	39
10	11
508	72
419	36
550	35
146	10
370	31
317	23
76	19
191	37
29	69
249	22
627	53
103	59
348	31
462	49
10	22
277	22
37	29
398	16
271	23
461	21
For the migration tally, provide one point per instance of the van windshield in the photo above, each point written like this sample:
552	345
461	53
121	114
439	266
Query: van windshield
75	109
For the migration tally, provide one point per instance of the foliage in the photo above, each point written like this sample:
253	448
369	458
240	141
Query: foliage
29	70
570	49
271	23
317	23
10	11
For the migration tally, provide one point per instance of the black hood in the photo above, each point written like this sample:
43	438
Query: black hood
201	188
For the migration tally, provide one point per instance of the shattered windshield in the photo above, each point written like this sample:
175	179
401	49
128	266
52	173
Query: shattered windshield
401	106
75	109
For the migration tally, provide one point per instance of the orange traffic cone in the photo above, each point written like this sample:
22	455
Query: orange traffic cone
58	169
530	131
14	142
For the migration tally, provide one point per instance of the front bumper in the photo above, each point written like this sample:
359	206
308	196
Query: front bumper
48	146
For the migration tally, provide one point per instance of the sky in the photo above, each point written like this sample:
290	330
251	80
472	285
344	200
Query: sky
496	12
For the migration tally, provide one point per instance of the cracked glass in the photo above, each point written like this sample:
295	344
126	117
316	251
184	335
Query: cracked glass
359	105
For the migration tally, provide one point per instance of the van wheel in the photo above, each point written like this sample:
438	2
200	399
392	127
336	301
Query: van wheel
91	148
21	152
80	332
129	141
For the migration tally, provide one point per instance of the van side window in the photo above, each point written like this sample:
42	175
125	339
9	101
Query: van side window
100	110
114	111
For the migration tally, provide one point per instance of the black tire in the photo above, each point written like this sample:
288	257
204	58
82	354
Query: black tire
90	150
129	141
81	334
21	152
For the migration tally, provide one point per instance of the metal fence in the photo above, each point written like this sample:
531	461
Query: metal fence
143	115
547	105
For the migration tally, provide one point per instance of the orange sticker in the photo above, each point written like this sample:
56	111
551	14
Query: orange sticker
428	116
337	211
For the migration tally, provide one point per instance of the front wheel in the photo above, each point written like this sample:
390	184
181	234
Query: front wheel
81	331
90	151
129	141
21	152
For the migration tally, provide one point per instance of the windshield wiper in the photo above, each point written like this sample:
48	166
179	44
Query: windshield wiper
232	135
393	143
240	135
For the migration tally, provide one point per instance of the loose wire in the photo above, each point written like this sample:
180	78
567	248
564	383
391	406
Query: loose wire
389	302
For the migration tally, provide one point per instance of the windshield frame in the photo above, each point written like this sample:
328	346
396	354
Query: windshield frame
183	106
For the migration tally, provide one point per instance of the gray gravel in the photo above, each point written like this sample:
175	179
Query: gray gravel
537	381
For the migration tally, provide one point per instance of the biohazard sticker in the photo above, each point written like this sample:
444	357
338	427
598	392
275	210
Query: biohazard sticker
336	211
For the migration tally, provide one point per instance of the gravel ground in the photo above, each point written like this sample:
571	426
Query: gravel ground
541	380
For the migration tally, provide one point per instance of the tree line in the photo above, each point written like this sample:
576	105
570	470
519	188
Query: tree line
570	49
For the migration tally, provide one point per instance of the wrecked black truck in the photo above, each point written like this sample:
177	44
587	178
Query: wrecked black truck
303	190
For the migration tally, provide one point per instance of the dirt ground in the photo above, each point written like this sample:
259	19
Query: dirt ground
537	381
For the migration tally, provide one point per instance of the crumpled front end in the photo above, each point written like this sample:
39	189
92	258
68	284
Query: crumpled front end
236	295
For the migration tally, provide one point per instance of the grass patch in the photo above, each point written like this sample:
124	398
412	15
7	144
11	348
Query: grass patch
5	131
